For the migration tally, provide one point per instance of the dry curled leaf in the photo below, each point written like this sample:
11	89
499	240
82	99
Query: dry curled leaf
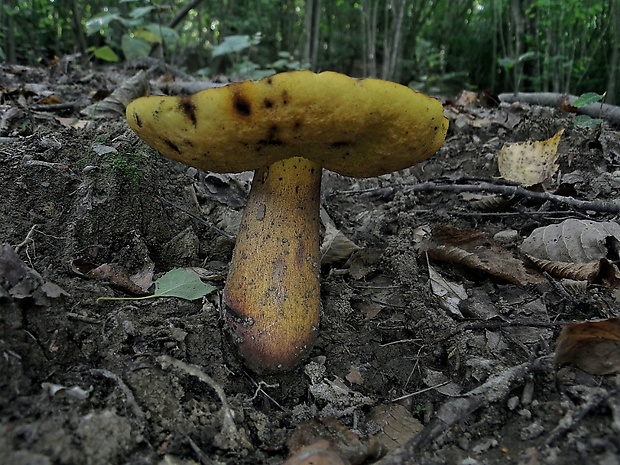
601	272
530	162
578	241
478	251
593	346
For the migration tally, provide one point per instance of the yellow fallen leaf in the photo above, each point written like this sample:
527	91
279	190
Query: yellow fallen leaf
530	162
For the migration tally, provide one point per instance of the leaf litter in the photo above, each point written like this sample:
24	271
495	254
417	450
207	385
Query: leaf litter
507	411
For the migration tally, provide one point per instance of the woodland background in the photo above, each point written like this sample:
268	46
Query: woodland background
569	46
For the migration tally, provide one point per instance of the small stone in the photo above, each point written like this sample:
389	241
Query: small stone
507	237
513	402
532	431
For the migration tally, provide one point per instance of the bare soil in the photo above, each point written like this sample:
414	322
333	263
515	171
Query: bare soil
82	382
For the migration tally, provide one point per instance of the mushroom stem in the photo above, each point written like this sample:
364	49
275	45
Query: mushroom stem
272	295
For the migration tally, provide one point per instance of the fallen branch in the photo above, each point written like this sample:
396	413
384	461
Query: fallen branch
594	397
551	99
456	410
507	190
518	191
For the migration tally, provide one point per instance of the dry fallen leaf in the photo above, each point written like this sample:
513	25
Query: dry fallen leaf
602	272
572	240
450	294
326	441
397	425
593	346
530	162
319	453
336	247
478	251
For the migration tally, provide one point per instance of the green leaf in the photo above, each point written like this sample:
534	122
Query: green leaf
234	44
106	53
134	47
584	121
100	22
587	99
182	283
147	36
169	35
141	11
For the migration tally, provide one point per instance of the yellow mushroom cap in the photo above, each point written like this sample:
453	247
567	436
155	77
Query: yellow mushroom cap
355	127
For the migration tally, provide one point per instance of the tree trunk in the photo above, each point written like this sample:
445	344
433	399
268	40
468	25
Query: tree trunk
398	14
369	10
614	62
78	30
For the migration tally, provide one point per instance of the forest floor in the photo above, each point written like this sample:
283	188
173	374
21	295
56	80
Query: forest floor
399	374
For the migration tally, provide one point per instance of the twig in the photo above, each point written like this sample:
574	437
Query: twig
259	389
131	400
505	190
228	416
421	391
27	239
197	218
571	419
457	409
553	99
517	191
85	319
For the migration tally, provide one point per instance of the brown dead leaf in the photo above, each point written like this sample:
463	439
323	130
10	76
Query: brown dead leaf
466	98
318	435
593	346
116	275
355	376
397	425
530	162
319	453
71	122
602	272
49	100
479	251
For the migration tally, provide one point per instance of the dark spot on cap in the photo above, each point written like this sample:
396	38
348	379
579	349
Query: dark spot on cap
269	81
285	98
188	107
171	145
241	105
297	125
272	137
138	120
268	103
340	144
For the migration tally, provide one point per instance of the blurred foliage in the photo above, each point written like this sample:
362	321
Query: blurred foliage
444	45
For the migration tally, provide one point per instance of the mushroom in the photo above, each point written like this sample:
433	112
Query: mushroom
287	128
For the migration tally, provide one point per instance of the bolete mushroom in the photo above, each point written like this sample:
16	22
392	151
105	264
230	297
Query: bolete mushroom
287	128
